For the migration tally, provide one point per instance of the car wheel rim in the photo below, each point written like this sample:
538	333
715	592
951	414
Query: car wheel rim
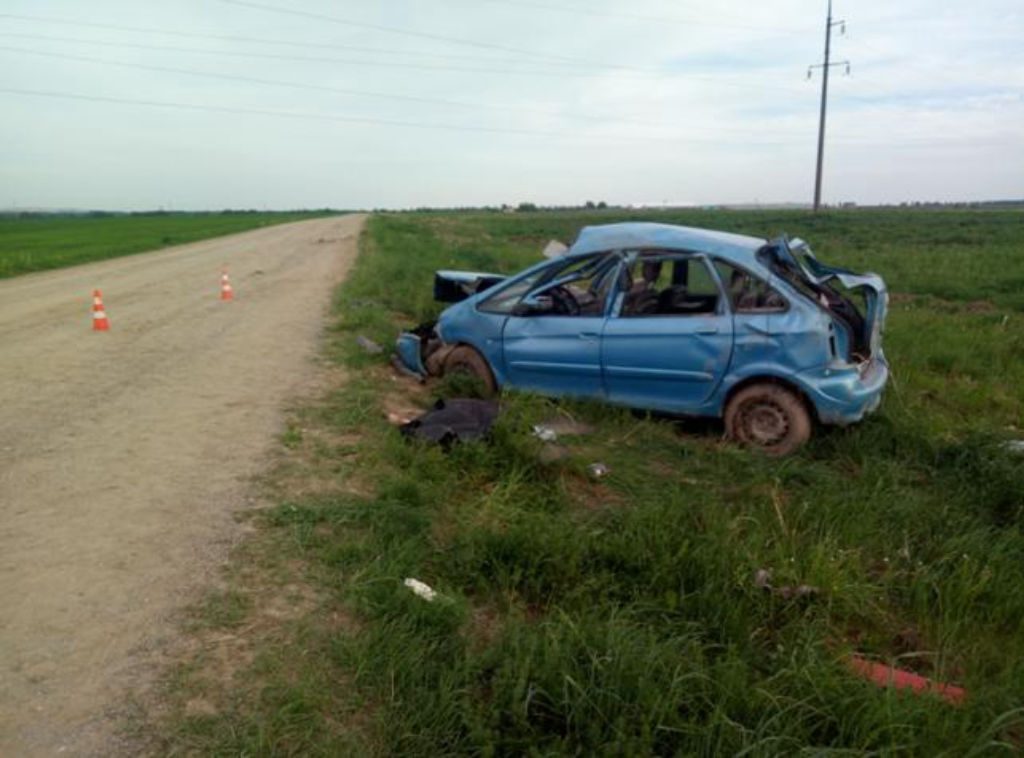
765	424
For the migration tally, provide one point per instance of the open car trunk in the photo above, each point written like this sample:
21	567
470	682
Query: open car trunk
858	302
453	286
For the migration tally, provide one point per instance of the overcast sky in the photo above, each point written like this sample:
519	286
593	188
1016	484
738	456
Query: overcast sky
206	104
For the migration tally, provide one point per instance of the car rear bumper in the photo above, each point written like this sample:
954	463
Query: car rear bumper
846	395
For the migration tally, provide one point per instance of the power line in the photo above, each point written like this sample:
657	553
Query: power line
398	30
304	45
590	118
278	114
714	80
630	71
675	20
343	61
573	136
286	84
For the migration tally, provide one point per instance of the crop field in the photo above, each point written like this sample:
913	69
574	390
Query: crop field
622	616
37	242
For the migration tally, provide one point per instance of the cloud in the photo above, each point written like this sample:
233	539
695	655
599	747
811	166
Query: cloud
706	102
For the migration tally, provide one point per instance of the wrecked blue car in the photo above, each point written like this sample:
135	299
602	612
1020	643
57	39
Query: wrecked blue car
676	320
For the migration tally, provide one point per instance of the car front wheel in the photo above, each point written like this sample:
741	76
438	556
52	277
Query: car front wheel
768	418
467	362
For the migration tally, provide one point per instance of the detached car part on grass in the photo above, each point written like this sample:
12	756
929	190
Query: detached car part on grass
676	320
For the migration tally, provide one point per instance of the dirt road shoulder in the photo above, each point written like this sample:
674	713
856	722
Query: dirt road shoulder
124	456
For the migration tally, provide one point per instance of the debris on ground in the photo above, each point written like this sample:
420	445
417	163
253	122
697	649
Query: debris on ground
422	590
401	368
369	345
454	420
1014	446
544	433
597	470
397	419
901	679
763	580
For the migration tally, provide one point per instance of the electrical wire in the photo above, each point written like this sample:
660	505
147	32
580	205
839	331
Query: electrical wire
630	71
364	93
574	137
342	61
590	118
700	21
270	82
300	44
592	140
407	32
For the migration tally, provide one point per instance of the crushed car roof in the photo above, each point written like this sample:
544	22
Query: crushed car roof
635	235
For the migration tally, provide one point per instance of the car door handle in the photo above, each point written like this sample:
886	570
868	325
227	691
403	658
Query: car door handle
708	330
757	329
588	335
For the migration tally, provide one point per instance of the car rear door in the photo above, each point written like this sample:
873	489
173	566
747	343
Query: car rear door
671	359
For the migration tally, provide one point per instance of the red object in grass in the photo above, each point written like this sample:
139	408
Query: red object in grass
887	676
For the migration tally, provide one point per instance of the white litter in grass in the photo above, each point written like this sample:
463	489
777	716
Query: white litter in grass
1014	446
597	470
544	433
424	591
763	579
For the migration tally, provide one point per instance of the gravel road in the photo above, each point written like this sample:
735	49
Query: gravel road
125	454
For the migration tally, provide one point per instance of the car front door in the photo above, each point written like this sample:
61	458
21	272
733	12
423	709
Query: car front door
669	339
558	351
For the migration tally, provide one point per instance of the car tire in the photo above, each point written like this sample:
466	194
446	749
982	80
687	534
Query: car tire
466	360
768	418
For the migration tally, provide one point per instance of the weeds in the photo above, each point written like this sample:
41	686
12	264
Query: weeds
622	617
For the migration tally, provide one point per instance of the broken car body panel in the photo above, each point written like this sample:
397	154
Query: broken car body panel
669	318
453	286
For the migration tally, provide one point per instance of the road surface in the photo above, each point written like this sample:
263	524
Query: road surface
125	454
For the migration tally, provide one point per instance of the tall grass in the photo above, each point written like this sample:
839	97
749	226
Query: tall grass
621	616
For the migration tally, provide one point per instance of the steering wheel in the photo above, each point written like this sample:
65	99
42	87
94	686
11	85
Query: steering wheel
564	302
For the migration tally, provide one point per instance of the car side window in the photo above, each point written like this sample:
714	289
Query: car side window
749	293
579	288
670	285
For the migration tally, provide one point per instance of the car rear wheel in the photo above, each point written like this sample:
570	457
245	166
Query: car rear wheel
768	418
466	362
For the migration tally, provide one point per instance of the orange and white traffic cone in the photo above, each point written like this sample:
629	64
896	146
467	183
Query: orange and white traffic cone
226	293
100	323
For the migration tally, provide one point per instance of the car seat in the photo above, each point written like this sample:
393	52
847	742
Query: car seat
642	297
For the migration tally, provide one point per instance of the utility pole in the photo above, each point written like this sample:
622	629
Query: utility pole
825	66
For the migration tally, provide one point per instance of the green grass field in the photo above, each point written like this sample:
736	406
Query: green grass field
621	617
40	242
